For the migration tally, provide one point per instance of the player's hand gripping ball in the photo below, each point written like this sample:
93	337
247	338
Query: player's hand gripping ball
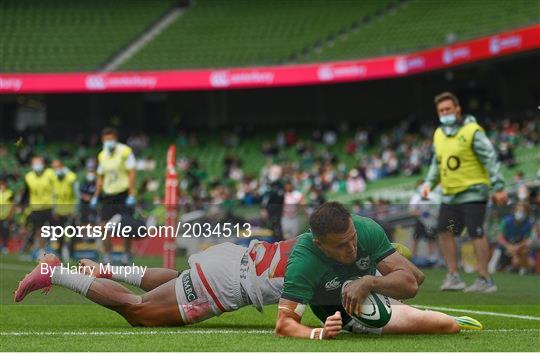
375	311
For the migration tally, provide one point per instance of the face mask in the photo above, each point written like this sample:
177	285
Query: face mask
519	215
109	145
90	177
448	119
60	172
37	167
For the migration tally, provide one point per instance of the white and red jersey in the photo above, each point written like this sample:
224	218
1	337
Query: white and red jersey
270	260
230	276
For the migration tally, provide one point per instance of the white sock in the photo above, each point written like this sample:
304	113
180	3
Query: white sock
128	274
79	283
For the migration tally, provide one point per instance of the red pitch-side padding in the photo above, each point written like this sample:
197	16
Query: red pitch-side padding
505	43
165	244
171	205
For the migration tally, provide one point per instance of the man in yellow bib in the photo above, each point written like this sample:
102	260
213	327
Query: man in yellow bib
39	193
65	199
465	163
6	212
115	185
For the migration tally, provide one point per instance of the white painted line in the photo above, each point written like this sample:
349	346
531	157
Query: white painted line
496	330
499	314
208	331
142	332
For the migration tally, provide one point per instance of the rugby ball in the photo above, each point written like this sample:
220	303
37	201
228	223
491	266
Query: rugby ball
376	311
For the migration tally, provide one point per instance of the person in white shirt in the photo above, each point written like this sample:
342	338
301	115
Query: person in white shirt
426	210
290	223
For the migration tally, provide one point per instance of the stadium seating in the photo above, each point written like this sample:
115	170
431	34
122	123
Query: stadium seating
240	32
423	24
65	35
213	34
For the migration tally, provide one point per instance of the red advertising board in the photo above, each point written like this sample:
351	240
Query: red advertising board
511	42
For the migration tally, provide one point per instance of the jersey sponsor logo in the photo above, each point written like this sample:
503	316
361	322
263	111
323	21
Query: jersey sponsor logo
244	266
332	284
363	263
189	291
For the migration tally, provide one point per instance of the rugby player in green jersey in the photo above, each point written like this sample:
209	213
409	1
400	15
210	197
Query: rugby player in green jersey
340	247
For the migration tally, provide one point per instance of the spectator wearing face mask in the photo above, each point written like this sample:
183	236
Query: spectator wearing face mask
465	164
39	196
115	185
515	238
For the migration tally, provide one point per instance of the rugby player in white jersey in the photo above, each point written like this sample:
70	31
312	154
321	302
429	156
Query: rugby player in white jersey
223	278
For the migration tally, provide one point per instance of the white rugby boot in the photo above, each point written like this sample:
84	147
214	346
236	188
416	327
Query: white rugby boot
452	282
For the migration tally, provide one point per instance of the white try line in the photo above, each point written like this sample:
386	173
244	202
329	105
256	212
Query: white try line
500	314
123	333
209	331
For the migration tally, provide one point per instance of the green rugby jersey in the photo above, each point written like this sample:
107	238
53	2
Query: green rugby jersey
313	278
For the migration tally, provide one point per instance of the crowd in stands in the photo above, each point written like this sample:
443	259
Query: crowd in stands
314	167
330	160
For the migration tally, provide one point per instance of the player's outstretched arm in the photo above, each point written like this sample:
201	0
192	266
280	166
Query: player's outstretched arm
289	318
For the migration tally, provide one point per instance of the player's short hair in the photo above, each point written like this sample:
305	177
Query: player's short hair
444	96
109	131
329	218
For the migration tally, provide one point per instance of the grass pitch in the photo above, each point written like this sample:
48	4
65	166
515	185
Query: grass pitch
64	321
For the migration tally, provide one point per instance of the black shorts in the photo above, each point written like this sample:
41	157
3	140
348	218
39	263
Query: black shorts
39	218
456	217
114	204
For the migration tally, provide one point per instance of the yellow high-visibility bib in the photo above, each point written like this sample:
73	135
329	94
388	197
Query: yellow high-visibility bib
64	195
6	203
458	165
41	189
113	169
